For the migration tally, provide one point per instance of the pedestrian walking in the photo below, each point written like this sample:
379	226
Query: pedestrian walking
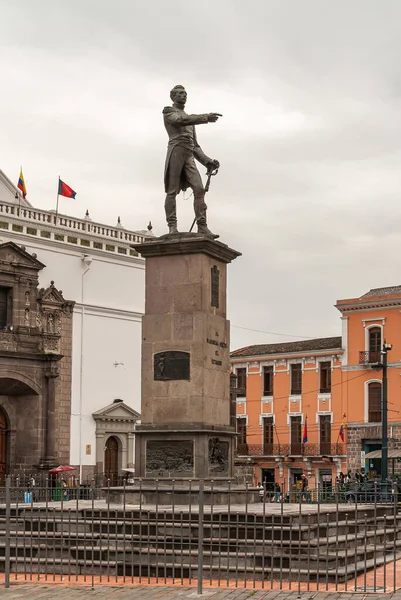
277	492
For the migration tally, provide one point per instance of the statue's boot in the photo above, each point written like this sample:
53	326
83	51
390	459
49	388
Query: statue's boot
200	215
173	229
204	229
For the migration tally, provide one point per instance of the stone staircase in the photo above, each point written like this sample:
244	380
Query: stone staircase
237	545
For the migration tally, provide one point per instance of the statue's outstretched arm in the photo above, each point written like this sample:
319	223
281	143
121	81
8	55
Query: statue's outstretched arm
175	118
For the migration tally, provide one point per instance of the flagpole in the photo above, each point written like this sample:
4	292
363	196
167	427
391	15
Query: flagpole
58	187
19	196
341	427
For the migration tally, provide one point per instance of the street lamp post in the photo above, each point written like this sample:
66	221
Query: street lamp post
386	348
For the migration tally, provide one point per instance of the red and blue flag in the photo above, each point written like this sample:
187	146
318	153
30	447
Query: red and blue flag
65	190
305	436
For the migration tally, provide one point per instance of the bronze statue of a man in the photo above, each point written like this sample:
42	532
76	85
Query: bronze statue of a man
180	170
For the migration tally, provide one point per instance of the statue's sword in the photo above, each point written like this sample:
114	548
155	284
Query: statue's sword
210	173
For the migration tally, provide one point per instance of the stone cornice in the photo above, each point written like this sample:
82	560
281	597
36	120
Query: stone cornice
370	304
288	355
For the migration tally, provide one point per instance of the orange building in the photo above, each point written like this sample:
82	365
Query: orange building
295	399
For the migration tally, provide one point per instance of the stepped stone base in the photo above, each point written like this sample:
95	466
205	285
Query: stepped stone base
181	494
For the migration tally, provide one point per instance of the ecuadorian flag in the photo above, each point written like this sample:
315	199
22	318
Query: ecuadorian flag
21	184
341	432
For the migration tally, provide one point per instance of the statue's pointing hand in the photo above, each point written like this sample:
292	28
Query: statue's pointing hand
212	117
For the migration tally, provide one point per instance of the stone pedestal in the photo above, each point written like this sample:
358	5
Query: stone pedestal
186	431
182	494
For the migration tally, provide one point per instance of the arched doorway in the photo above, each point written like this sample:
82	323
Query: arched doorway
111	460
3	445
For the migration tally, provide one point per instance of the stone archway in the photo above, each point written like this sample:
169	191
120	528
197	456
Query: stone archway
21	422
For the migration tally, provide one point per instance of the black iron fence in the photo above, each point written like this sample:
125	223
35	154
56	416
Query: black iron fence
203	534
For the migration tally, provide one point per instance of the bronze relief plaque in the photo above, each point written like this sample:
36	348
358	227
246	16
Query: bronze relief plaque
168	458
171	365
218	456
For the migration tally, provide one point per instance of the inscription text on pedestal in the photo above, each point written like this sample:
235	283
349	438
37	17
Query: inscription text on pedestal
215	286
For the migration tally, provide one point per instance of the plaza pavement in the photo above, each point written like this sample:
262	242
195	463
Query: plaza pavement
36	592
254	508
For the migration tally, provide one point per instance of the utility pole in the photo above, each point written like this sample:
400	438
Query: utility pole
386	348
234	391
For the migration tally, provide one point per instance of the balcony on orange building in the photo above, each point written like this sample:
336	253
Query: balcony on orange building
370	358
272	450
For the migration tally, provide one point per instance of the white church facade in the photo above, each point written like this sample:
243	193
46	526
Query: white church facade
95	267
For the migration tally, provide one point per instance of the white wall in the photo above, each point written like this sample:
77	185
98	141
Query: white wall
108	338
110	294
111	282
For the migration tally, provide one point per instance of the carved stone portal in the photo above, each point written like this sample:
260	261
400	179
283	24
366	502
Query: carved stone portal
168	458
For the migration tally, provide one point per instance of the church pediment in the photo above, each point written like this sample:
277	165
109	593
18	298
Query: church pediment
51	296
12	254
118	411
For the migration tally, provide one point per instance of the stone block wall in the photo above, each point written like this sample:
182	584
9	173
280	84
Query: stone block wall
63	391
359	433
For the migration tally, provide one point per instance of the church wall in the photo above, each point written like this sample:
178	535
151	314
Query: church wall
109	289
113	294
115	283
109	338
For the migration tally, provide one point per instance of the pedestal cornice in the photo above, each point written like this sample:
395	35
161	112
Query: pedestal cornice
187	243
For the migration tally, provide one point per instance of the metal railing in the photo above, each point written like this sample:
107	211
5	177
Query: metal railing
367	357
280	539
322	449
35	216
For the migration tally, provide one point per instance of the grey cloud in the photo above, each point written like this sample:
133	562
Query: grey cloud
310	179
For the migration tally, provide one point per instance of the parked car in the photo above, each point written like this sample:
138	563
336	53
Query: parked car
370	491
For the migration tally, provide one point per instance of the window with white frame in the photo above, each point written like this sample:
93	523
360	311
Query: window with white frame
241	382
268	435
325	377
375	340
325	434
374	402
296	379
267	381
241	430
296	435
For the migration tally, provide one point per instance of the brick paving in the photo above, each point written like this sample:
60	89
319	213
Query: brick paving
41	592
57	587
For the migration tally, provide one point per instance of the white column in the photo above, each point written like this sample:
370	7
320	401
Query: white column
131	450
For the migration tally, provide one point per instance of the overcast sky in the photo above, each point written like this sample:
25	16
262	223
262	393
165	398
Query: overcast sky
309	188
